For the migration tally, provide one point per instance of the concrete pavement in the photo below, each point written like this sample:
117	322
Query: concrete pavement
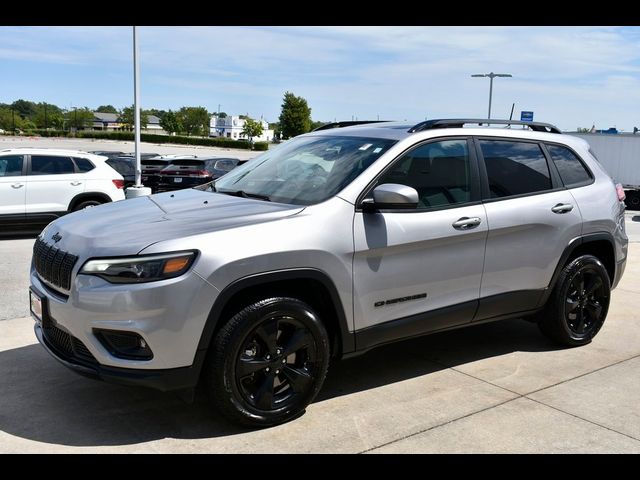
498	387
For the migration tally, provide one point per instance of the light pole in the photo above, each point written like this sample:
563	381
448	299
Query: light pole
491	76
137	190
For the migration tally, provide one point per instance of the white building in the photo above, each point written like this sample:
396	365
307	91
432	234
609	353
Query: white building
231	127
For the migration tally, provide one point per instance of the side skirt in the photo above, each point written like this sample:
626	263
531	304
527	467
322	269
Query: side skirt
497	307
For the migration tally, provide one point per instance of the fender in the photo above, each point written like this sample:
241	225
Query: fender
347	338
568	251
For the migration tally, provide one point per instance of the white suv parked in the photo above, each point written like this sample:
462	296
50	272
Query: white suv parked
40	185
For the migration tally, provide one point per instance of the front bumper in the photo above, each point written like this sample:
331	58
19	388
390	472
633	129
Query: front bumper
168	315
165	380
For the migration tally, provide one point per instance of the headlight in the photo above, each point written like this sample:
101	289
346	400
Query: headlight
139	269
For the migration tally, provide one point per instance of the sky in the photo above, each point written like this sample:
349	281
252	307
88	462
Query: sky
568	76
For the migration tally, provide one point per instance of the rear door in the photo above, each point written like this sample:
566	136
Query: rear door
52	182
532	218
13	188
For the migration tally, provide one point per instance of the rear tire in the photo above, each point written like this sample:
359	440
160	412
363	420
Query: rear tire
86	204
268	362
578	305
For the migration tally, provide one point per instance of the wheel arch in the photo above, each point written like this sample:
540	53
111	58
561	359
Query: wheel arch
600	245
83	197
307	284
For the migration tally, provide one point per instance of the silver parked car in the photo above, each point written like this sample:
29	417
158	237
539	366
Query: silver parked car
333	243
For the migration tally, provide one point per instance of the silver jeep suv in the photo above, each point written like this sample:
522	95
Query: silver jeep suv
326	246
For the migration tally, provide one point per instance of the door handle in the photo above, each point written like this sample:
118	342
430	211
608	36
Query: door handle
17	185
562	208
76	183
466	223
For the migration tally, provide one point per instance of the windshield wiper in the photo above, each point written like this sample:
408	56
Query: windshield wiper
243	194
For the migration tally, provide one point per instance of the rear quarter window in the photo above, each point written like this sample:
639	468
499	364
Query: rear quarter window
571	169
83	164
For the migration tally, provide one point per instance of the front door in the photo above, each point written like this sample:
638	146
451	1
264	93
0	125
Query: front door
421	269
12	187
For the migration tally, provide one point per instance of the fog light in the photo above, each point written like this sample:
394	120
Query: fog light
125	345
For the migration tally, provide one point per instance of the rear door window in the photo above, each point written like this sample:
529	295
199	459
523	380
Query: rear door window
515	168
51	165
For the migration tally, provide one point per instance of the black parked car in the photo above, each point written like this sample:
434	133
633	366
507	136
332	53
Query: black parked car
151	168
191	172
108	153
126	167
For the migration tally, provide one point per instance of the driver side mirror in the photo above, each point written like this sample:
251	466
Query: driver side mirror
390	196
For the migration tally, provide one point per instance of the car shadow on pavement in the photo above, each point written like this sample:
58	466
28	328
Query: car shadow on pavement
43	401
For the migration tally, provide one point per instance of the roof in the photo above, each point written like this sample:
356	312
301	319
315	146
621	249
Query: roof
105	117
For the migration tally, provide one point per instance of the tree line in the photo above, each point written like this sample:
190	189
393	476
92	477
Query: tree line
294	119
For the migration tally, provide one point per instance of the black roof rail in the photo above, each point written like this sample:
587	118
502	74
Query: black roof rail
460	122
331	125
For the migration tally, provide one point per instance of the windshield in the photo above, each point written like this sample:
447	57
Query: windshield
305	170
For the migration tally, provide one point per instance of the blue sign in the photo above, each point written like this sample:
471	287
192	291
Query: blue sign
526	116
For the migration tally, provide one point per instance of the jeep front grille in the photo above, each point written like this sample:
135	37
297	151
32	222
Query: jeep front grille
53	264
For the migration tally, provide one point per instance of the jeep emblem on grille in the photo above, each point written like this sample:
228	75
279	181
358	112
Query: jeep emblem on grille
57	237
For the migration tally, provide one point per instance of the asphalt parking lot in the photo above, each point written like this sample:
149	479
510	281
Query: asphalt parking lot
498	387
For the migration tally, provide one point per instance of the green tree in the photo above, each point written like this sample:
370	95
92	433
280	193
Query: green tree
9	118
48	116
107	109
171	123
78	118
194	120
24	108
222	115
295	117
315	125
252	128
127	117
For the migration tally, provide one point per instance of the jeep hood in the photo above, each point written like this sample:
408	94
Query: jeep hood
128	226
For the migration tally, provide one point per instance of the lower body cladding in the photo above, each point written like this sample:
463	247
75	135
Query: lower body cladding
142	334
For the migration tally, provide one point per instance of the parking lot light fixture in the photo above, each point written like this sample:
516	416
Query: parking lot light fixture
491	76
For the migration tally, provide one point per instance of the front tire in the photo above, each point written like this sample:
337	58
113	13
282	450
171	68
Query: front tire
268	362
578	304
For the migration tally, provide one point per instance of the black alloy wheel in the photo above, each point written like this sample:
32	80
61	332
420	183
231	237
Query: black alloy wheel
268	362
585	298
277	363
579	303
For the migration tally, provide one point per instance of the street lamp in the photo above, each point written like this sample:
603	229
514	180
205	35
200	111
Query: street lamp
491	77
